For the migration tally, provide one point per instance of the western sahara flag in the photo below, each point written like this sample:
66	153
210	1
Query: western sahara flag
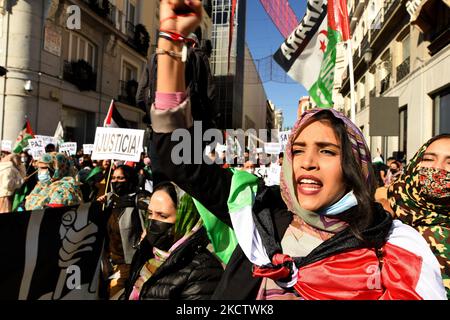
52	254
309	54
114	119
22	139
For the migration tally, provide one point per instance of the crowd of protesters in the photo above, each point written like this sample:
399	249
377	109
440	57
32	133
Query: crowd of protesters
334	213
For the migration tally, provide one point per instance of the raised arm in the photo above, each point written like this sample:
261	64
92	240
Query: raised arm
209	184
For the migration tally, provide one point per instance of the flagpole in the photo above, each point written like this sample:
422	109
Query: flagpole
107	183
352	81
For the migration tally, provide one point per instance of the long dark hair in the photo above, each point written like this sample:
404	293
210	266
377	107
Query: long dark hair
363	189
130	176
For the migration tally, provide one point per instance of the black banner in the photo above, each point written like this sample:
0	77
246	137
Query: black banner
51	254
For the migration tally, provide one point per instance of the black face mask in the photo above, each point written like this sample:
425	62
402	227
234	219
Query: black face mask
120	188
160	234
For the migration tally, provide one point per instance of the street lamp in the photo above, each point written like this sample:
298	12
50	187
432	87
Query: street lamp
368	53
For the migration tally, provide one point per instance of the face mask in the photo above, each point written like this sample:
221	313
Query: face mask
435	183
44	177
120	188
160	234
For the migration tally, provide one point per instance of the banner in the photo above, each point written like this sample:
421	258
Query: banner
87	148
7	145
47	140
52	254
283	137
118	144
69	148
272	148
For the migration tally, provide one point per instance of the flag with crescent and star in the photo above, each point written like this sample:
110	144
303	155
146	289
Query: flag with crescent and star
308	55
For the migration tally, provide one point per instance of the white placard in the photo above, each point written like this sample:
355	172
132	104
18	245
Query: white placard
273	175
69	148
37	152
47	140
118	144
283	138
272	148
220	148
34	144
7	145
87	148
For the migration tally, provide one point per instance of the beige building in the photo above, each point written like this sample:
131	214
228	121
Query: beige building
68	59
255	99
401	49
279	119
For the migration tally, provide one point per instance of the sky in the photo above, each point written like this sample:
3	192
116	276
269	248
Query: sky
264	39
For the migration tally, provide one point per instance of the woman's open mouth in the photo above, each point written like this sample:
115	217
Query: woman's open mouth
309	185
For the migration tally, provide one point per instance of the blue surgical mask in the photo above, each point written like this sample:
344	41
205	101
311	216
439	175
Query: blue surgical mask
44	177
348	201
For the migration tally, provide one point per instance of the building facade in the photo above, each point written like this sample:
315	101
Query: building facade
68	59
401	49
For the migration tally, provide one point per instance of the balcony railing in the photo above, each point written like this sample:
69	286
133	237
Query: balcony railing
403	69
101	7
385	83
128	91
383	15
81	74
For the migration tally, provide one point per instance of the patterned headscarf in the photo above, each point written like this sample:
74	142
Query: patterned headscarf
63	190
59	164
407	198
429	215
360	152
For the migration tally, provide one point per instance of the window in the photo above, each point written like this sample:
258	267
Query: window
132	13
81	49
441	112
79	126
405	47
403	128
129	72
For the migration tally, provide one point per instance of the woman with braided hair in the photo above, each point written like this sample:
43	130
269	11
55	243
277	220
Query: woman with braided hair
320	235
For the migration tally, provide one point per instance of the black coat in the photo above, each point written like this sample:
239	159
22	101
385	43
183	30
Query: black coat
190	273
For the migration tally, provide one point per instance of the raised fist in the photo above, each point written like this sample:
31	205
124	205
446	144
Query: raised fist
180	16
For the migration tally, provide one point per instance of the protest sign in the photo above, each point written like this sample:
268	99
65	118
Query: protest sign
118	144
37	152
37	148
6	145
69	148
87	148
283	137
272	148
273	175
47	140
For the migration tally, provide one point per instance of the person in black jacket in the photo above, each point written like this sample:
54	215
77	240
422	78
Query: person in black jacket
125	224
172	261
320	235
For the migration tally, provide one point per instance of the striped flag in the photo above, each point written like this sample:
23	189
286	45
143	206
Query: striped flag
22	139
308	55
114	119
